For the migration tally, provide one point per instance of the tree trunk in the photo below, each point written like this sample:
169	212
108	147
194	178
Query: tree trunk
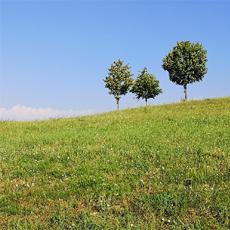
118	105
185	92
146	101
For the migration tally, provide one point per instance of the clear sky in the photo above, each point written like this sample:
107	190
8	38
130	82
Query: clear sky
54	54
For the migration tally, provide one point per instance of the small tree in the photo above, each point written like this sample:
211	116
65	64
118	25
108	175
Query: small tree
186	64
146	86
119	80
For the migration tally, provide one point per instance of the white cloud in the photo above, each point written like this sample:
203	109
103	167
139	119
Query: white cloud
23	113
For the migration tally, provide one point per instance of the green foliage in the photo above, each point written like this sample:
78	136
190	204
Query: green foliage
146	86
119	80
186	64
155	167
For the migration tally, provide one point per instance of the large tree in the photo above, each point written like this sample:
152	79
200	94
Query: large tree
146	86
119	80
186	64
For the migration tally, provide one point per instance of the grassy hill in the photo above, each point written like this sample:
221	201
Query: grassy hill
159	167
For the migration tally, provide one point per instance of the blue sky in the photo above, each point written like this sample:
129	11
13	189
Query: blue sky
54	54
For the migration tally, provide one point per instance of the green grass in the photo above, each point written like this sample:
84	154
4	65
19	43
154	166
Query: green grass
159	167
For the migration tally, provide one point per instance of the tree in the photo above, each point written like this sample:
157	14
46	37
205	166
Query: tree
119	80
146	86
186	64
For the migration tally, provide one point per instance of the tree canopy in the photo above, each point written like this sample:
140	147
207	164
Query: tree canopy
119	80
186	64
146	86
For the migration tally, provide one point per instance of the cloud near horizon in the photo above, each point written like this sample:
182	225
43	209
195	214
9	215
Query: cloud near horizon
23	113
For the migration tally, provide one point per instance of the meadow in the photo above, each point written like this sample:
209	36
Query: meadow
154	167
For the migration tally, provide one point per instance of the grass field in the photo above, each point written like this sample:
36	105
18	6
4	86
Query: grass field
159	167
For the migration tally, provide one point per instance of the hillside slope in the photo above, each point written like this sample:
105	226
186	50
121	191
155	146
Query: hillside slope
158	167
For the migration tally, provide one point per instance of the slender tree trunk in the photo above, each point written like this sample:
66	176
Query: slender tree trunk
185	92
146	101
118	105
